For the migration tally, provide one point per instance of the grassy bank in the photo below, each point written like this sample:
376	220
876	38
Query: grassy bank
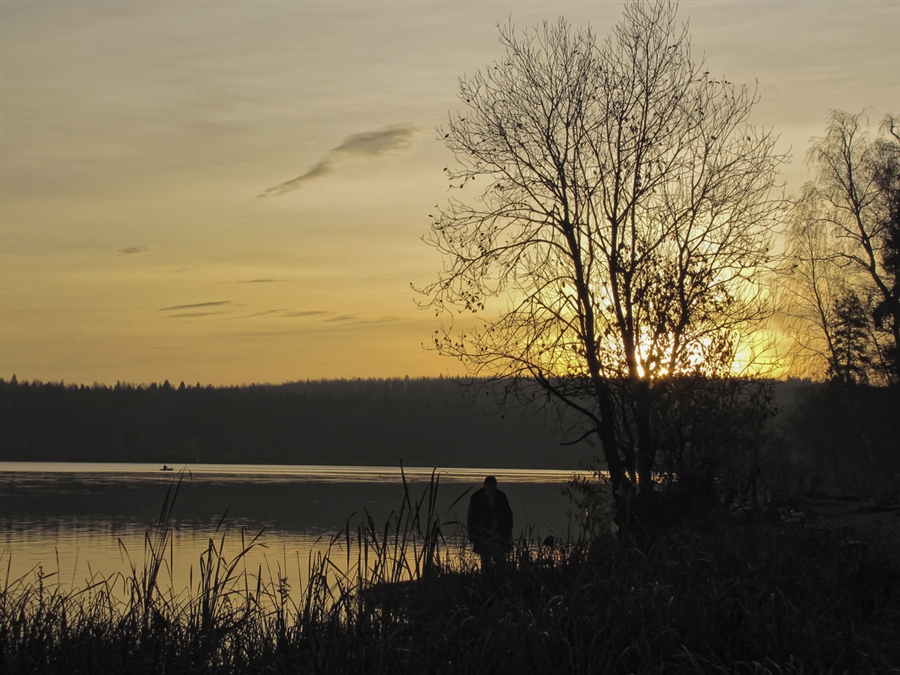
754	597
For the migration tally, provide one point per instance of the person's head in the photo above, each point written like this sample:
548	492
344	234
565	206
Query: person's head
490	485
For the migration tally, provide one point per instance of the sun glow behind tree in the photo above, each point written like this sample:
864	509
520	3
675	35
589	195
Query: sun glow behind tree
625	232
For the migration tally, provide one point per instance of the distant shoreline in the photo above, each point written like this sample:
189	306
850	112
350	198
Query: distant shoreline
325	472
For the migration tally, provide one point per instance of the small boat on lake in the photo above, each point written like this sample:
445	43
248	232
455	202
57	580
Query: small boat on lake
166	468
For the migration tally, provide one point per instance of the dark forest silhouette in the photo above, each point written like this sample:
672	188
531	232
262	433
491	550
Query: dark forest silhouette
823	436
424	422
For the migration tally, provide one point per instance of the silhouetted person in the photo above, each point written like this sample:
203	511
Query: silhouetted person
490	522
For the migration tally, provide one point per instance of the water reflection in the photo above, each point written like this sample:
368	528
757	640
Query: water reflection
81	519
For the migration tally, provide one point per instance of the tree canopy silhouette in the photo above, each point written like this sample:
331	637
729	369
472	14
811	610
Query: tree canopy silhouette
622	229
845	243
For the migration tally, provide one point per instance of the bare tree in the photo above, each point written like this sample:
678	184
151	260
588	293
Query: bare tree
887	176
845	240
811	287
623	230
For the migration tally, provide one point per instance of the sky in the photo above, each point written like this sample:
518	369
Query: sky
235	192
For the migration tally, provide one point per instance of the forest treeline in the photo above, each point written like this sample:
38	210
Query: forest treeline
787	437
424	422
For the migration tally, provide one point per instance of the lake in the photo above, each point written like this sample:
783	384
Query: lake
78	520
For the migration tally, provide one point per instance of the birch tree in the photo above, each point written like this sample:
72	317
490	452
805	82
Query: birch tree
845	241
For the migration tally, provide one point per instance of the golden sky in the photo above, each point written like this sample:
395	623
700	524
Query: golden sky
234	192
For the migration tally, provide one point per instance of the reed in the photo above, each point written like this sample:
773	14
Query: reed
406	598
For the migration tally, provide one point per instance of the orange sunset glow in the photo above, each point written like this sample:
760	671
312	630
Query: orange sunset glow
231	193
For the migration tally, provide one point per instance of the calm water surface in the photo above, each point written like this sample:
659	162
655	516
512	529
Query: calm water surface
82	519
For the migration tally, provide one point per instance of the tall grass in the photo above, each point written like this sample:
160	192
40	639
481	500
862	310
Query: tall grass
405	598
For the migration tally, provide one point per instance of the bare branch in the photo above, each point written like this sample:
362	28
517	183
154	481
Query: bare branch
625	230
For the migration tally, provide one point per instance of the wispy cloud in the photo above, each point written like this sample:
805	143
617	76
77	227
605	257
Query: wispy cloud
191	315
321	317
357	320
257	281
365	144
134	250
282	313
265	312
307	312
197	305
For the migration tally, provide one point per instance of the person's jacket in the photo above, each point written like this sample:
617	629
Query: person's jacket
490	526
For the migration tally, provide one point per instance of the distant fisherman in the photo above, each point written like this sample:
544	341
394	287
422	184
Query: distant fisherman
490	522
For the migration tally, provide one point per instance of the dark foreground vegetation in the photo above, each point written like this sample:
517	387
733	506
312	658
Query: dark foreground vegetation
754	595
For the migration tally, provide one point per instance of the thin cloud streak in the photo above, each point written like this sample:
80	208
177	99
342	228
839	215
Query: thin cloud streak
192	315
282	313
215	303
365	144
134	250
265	312
356	320
309	312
